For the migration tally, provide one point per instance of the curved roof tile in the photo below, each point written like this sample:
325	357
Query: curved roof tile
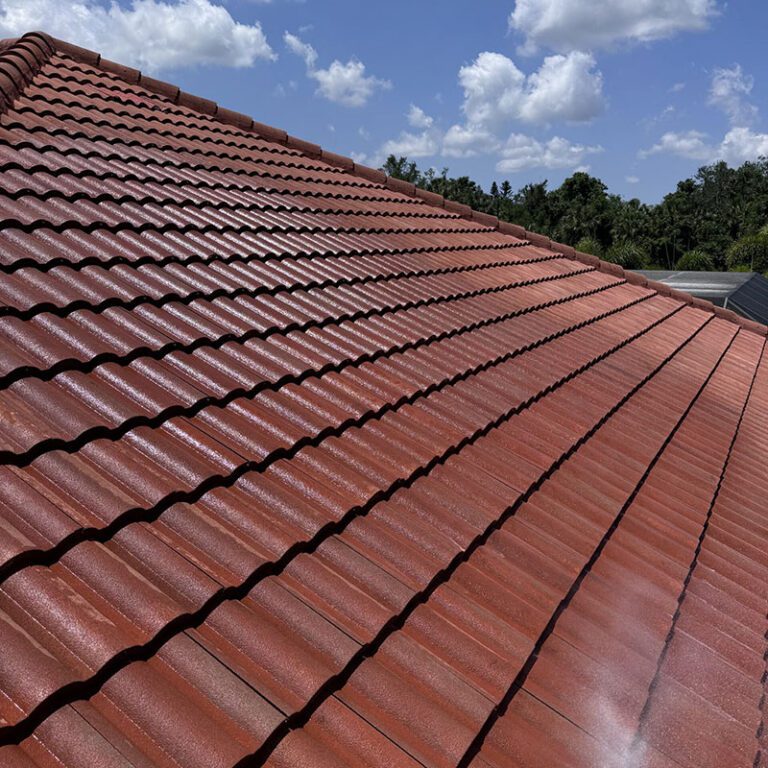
303	466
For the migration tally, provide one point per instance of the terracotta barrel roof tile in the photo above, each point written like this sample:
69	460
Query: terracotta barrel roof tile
302	465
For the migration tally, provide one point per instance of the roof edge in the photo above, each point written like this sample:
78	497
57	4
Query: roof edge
22	58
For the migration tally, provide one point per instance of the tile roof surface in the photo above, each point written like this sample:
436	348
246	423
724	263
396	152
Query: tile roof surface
304	467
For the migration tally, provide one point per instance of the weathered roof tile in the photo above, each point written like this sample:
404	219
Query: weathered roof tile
304	466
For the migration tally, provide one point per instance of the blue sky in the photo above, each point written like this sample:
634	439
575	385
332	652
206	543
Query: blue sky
640	93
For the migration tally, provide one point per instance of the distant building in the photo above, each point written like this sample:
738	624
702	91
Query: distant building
743	292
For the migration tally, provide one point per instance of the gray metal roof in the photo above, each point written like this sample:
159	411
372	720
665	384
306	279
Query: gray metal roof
744	292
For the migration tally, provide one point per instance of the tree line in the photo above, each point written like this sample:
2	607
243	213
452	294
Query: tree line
716	220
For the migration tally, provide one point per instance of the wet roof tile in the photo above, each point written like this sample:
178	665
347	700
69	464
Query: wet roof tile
305	467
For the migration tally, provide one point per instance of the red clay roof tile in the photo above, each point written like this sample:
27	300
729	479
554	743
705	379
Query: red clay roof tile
306	466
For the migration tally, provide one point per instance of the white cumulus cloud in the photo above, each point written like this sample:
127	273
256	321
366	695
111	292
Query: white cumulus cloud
426	143
742	144
738	146
149	34
418	118
411	145
522	152
497	94
567	25
493	89
343	83
347	84
564	88
688	144
729	92
469	141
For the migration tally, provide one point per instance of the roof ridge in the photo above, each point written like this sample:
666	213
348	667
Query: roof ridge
22	59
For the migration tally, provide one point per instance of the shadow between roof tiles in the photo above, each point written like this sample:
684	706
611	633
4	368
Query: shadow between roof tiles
69	69
28	263
47	557
115	433
20	143
105	197
152	140
253	165
122	226
138	126
75	691
198	207
74	364
41	93
360	194
638	738
186	116
760	735
177	298
335	683
518	683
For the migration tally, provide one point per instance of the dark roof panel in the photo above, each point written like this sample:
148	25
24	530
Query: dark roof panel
304	467
746	293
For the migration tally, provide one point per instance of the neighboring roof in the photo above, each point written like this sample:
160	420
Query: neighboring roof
746	293
305	467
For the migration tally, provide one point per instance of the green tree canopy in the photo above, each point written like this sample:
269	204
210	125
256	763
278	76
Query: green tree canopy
589	245
750	252
696	260
627	254
712	219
